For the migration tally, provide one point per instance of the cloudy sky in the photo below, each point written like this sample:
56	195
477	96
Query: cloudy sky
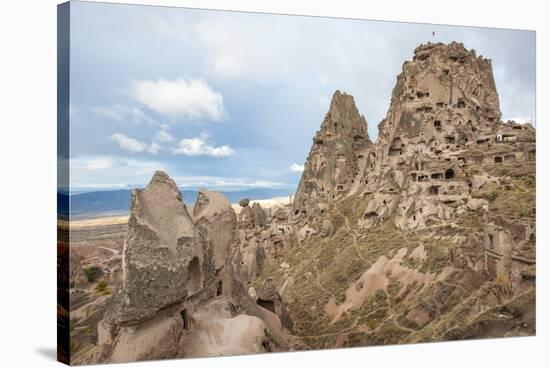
231	100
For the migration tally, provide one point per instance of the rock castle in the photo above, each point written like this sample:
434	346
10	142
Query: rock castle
426	234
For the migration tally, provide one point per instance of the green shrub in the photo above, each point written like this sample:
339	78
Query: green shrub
101	288
74	346
525	211
492	196
92	273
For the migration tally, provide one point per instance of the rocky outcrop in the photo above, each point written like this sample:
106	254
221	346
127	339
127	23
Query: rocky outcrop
77	279
444	115
268	297
213	212
259	218
163	253
440	180
337	158
217	331
443	101
245	218
179	286
251	216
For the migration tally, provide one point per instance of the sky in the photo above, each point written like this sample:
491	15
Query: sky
229	100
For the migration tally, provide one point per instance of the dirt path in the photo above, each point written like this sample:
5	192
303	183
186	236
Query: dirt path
113	251
353	233
393	316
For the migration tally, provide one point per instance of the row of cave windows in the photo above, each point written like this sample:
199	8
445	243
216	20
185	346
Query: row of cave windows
459	104
449	174
396	147
500	159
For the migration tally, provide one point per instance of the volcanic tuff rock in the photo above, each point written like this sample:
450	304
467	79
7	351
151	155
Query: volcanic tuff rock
427	234
77	278
179	287
336	159
444	106
161	242
259	217
426	212
214	211
268	297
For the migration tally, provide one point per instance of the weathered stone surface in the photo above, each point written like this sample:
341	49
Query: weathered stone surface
186	289
443	173
214	213
259	218
77	279
269	298
337	158
154	340
249	258
217	332
244	202
245	218
326	228
160	245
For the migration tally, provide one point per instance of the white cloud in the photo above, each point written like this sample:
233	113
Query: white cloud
224	182
295	167
163	136
93	163
199	146
121	113
135	146
128	143
154	148
98	171
180	99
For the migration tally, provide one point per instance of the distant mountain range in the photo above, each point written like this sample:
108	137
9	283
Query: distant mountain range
118	201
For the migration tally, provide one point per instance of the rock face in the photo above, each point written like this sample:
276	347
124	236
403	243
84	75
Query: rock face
163	253
259	218
337	159
178	284
426	212
444	110
269	298
76	274
444	101
251	216
214	213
